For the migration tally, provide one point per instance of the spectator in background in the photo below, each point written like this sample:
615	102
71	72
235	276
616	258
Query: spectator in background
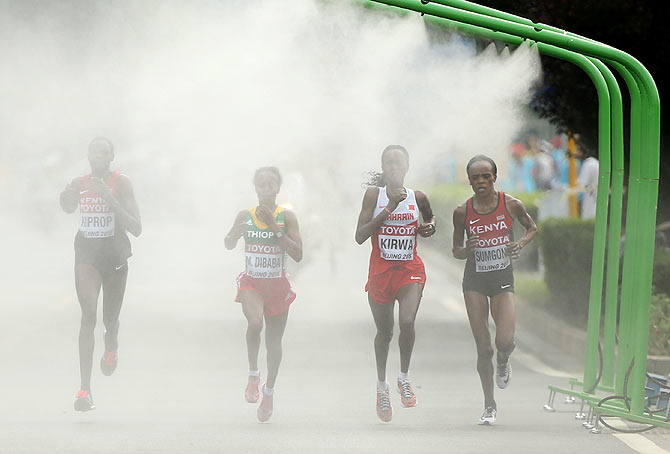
521	169
544	166
587	180
561	162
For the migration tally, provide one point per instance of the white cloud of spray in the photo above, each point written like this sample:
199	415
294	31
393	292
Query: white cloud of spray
196	95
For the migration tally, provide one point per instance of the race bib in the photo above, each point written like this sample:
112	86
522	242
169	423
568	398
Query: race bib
96	219
491	259
264	261
397	247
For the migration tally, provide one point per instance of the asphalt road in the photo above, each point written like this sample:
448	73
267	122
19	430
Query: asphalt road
182	368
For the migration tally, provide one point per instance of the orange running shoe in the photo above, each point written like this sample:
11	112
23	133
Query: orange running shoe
407	396
84	401
384	410
265	408
251	391
108	363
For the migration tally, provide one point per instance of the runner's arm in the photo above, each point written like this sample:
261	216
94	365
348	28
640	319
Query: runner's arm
458	250
292	241
236	231
367	226
69	198
126	208
518	210
428	227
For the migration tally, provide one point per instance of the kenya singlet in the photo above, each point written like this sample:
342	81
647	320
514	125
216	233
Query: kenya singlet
264	259
395	242
494	230
100	240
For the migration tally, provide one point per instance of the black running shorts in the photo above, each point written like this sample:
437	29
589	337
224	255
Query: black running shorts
490	283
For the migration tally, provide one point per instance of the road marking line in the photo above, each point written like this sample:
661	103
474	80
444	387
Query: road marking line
637	442
640	443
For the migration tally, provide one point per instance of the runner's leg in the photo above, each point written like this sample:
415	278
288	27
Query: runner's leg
274	331
504	315
252	306
409	298
383	317
477	306
87	283
113	289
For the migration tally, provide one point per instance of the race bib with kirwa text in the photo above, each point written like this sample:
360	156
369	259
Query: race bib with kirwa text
396	242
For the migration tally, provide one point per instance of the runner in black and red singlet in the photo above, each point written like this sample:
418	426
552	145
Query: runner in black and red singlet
107	210
389	217
488	282
270	232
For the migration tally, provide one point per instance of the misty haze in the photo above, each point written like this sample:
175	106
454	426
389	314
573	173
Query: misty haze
195	96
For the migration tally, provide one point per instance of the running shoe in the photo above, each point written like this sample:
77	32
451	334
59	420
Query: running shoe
108	363
488	418
384	410
407	396
503	374
251	391
84	401
265	408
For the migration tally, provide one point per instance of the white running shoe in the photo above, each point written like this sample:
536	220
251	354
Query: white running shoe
488	418
503	374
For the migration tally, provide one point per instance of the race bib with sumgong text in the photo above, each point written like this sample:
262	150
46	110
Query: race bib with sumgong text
491	258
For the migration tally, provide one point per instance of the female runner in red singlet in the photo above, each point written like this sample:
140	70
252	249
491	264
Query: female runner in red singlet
107	210
487	219
270	232
390	218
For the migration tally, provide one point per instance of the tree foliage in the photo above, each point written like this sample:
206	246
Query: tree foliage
568	98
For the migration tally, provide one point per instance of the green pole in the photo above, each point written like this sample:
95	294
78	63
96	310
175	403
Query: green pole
613	247
629	274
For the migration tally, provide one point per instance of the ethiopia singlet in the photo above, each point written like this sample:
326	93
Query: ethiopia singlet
495	233
395	242
96	218
264	259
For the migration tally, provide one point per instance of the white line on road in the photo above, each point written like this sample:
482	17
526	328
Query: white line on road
637	442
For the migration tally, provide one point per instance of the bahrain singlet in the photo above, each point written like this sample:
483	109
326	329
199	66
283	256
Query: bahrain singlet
495	233
395	242
264	259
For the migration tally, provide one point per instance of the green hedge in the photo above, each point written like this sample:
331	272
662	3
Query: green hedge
662	272
659	325
566	246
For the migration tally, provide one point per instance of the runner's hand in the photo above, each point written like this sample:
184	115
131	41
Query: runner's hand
514	250
471	244
427	229
265	215
71	194
395	197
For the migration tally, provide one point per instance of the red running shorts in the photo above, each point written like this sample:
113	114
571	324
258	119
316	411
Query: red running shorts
277	293
384	287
